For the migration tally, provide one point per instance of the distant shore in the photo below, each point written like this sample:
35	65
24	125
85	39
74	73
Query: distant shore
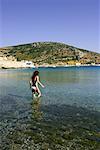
7	64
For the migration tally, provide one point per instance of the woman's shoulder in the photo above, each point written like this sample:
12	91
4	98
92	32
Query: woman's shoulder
37	77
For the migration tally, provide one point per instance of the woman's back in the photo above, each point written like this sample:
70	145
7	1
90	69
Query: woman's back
34	80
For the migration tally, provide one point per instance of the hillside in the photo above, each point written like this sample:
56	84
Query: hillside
50	53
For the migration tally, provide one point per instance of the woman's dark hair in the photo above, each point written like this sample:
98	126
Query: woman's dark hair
35	73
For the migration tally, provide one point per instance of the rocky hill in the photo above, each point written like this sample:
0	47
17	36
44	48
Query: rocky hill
50	53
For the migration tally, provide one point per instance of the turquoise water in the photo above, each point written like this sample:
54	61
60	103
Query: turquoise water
79	86
67	116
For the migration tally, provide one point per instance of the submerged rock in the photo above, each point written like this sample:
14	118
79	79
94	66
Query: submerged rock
63	128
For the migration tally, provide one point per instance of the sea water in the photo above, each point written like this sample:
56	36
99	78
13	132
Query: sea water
70	102
78	86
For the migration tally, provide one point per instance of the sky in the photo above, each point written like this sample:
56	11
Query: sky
73	22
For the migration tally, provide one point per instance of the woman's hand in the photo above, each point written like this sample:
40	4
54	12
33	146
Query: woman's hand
43	86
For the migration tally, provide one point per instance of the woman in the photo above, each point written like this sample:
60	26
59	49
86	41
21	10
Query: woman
34	84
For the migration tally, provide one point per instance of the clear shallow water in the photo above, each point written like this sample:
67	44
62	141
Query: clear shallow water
67	114
79	86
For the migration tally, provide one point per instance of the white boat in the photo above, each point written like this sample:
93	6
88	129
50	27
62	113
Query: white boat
29	64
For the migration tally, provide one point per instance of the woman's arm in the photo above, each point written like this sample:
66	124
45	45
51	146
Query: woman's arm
39	82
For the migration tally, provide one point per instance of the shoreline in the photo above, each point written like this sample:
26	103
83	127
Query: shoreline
14	64
48	66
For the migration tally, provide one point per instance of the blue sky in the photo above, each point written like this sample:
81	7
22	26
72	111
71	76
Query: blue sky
73	22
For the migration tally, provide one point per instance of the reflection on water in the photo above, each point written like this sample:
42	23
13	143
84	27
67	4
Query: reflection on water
36	112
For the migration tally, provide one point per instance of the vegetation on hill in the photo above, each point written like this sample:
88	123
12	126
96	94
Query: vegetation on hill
51	53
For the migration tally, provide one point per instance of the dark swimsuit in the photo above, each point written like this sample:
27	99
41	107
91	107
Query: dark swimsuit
34	85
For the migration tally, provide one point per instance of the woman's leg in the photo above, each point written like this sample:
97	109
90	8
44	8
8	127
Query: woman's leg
33	93
39	92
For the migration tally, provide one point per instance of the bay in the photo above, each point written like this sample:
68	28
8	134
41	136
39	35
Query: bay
66	116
